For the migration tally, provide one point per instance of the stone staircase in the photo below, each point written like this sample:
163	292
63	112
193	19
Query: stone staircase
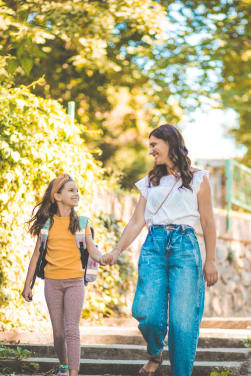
116	351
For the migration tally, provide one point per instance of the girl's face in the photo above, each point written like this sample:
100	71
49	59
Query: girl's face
159	149
69	195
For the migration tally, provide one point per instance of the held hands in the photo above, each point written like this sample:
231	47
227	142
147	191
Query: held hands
210	273
110	258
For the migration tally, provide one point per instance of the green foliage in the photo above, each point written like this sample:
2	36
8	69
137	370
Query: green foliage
114	288
230	256
17	354
130	66
223	373
248	343
38	142
102	52
214	37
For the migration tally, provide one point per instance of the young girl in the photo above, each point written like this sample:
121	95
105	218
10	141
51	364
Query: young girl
64	285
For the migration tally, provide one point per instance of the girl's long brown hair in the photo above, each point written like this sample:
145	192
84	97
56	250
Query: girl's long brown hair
47	209
177	154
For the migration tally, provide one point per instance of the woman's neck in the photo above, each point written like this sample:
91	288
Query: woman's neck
171	170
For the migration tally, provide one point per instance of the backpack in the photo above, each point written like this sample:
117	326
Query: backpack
88	264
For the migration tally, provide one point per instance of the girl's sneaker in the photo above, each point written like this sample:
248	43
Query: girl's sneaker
63	370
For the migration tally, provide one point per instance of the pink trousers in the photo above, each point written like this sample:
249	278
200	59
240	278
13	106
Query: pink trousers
64	298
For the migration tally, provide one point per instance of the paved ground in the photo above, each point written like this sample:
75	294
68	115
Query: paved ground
221	329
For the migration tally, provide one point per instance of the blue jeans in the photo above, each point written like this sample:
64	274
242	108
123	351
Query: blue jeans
170	273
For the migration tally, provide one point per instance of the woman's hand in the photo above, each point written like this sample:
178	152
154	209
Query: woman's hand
210	273
110	258
209	231
27	294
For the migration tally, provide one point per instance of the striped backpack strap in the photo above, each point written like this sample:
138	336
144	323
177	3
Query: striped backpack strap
44	233
41	262
89	265
80	235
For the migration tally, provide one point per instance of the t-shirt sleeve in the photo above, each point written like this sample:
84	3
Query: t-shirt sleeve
142	186
87	230
198	178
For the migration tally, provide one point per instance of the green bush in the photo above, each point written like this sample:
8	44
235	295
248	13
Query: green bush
223	373
19	355
38	142
115	284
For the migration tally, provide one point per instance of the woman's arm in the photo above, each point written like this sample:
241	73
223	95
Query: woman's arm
209	231
131	231
27	292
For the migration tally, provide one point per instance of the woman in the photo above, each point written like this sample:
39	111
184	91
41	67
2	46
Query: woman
174	197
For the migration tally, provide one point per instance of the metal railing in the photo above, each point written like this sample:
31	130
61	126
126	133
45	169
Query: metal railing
238	187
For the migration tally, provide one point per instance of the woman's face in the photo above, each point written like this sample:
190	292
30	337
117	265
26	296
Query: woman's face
159	149
69	195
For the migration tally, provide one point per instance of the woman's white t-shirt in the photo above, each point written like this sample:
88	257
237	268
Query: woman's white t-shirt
181	206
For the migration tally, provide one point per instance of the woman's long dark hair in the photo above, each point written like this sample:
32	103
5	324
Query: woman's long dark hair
177	154
47	209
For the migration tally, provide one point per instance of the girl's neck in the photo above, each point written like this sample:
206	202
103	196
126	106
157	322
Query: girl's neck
63	211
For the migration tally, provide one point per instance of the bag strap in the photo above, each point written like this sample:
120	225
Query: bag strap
81	243
44	232
80	235
83	222
42	250
166	197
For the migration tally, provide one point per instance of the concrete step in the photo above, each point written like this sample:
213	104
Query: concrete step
124	367
130	336
136	352
120	350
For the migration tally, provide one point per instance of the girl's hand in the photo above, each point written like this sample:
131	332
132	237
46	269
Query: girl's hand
110	258
105	259
27	294
101	260
210	273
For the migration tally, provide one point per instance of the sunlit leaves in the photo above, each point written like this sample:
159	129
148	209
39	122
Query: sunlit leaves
38	142
88	50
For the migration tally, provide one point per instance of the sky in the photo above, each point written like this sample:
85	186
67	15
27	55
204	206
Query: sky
206	135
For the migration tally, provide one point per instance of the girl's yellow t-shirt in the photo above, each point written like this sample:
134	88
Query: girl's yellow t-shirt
63	255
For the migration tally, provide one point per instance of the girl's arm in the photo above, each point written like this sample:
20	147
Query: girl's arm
27	292
131	231
92	249
209	231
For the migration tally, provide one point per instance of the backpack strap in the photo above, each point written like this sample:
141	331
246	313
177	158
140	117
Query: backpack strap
44	233
81	243
39	271
83	221
89	266
80	235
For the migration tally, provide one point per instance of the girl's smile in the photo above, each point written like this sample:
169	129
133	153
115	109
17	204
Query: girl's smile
69	195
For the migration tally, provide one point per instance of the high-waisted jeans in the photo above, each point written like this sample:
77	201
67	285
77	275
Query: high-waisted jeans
170	274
